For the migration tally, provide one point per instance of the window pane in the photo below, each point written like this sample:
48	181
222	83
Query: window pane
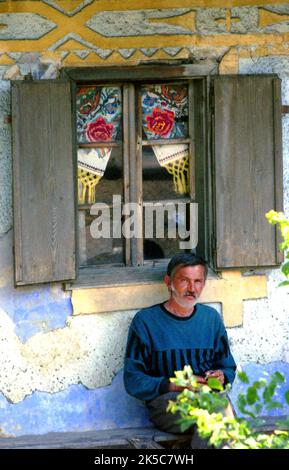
100	180
165	172
100	174
164	111
99	112
165	226
92	250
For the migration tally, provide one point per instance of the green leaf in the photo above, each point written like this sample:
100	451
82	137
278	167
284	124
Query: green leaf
259	383
188	372
285	268
251	442
269	391
203	388
241	402
287	396
279	377
252	395
179	374
272	217
215	384
249	413
258	408
283	245
274	405
283	283
243	377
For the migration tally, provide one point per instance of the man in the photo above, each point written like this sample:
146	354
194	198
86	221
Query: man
166	337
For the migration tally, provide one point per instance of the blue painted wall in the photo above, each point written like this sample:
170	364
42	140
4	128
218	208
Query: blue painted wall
258	371
75	409
80	409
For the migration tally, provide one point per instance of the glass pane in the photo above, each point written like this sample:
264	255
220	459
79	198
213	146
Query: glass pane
100	174
99	112
164	111
95	250
165	172
100	180
165	227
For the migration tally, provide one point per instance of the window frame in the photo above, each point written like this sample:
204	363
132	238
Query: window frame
150	271
214	169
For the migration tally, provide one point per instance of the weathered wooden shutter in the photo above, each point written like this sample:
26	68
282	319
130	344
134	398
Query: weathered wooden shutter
43	179
248	169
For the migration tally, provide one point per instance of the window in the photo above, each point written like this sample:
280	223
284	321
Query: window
149	151
231	167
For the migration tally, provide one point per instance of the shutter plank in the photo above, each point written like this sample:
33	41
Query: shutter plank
43	170
247	169
278	163
200	163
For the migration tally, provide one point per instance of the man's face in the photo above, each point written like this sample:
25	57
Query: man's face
187	285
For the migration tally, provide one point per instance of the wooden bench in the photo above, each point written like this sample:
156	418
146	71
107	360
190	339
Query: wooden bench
123	438
127	438
269	423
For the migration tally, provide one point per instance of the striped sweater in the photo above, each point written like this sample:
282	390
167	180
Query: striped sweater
160	343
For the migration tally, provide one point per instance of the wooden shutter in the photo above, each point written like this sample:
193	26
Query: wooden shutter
248	169
43	177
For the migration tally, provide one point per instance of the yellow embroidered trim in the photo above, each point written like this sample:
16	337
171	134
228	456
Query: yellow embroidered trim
180	171
86	186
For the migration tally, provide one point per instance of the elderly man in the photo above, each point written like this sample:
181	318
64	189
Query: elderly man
166	337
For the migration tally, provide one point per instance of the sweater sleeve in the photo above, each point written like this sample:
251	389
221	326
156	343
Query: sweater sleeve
223	358
137	380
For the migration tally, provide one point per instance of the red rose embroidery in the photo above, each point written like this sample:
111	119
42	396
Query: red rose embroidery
161	121
99	130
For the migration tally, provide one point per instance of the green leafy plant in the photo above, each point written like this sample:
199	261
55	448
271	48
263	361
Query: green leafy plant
279	219
204	406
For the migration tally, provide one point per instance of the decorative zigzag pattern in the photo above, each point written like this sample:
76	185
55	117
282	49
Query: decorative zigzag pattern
90	32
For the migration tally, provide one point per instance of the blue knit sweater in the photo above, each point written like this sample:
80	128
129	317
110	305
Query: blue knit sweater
160	343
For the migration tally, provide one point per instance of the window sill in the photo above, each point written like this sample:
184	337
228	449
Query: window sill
94	277
114	289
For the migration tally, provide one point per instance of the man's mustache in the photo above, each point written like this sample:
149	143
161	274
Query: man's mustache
190	294
187	294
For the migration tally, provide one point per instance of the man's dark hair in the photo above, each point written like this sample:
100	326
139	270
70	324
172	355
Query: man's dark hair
185	259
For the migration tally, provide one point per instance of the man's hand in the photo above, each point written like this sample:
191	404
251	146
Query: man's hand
216	374
177	388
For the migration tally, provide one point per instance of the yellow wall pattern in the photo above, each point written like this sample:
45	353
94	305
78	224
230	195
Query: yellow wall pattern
93	32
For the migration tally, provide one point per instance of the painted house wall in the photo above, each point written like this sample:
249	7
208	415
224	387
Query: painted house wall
61	354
